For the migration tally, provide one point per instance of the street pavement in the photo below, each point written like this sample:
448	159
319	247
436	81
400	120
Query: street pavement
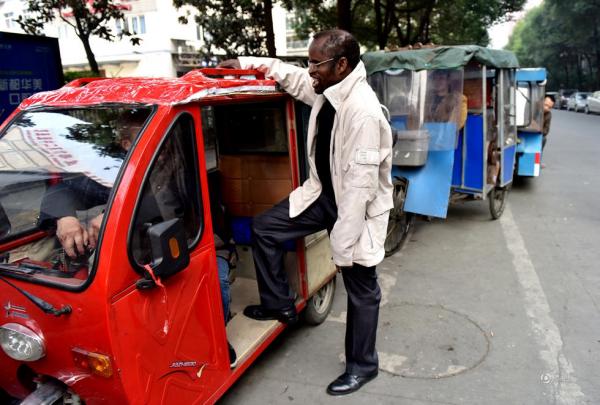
474	311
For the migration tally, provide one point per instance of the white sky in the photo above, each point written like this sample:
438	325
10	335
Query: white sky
499	33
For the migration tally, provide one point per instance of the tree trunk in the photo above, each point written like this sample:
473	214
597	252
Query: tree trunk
408	24
84	36
89	54
379	25
579	71
597	52
344	15
271	50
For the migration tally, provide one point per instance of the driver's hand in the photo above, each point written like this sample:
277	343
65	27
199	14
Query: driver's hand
72	236
93	230
230	64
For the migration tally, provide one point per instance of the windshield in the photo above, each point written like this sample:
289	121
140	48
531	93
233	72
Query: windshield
530	106
57	170
427	104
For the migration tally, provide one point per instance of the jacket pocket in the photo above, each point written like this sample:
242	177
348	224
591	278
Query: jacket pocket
364	169
373	235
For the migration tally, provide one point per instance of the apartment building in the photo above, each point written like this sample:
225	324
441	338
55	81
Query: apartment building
167	48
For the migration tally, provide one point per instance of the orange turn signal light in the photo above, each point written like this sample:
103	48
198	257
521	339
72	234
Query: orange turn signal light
174	247
96	363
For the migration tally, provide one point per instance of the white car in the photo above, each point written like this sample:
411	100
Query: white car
577	101
593	103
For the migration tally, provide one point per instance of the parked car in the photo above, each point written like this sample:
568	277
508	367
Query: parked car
593	103
563	97
577	101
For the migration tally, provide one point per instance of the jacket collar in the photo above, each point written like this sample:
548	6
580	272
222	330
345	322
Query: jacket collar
337	93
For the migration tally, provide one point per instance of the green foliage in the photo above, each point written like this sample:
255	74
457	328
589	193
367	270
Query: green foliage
78	74
563	37
238	27
466	21
390	23
87	18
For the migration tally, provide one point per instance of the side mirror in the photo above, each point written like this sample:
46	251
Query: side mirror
169	248
5	226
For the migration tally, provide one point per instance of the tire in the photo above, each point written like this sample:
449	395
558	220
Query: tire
586	109
400	223
497	200
319	305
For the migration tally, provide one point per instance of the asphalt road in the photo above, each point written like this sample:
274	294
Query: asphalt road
474	311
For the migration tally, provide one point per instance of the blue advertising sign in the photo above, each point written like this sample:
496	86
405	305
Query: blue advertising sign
28	64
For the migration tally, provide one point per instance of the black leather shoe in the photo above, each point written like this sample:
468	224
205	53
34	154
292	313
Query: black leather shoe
232	355
260	313
348	383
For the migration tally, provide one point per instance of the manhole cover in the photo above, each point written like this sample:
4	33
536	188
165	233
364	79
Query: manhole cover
428	341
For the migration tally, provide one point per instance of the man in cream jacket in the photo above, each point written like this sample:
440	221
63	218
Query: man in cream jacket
348	192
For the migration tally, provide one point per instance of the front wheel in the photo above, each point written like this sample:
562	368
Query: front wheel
319	305
497	197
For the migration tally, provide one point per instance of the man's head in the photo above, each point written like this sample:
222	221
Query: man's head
548	103
332	56
128	125
441	80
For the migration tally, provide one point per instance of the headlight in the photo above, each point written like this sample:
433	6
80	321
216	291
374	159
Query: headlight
21	343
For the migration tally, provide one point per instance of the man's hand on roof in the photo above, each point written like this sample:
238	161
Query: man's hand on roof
230	64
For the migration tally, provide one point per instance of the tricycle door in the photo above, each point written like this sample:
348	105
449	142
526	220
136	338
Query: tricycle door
170	330
507	128
470	154
530	121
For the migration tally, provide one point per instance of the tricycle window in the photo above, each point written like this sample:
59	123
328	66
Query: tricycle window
58	168
171	190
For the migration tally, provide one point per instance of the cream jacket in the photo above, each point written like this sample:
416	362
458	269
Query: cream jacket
361	160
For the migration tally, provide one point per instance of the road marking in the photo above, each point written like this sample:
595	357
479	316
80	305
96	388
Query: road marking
560	375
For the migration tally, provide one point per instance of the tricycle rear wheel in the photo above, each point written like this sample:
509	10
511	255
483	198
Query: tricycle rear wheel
319	305
400	223
497	198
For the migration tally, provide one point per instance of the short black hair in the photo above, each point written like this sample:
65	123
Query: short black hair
338	43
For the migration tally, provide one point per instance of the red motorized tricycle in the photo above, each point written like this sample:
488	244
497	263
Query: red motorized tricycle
122	302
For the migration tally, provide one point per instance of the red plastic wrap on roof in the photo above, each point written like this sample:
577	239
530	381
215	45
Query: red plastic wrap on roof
194	85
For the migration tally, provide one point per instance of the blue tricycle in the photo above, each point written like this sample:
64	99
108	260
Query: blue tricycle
531	85
452	111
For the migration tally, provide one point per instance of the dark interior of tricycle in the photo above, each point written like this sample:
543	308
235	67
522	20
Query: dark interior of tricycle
249	171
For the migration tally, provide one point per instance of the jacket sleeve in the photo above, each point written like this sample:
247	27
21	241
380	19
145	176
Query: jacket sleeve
293	79
360	180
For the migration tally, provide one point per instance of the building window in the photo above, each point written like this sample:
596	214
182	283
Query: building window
121	25
9	21
138	24
63	31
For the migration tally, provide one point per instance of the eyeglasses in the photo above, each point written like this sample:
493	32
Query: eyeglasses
317	64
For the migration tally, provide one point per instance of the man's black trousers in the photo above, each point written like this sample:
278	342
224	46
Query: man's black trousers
272	228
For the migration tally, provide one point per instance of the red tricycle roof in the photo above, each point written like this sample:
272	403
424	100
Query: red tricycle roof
195	85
